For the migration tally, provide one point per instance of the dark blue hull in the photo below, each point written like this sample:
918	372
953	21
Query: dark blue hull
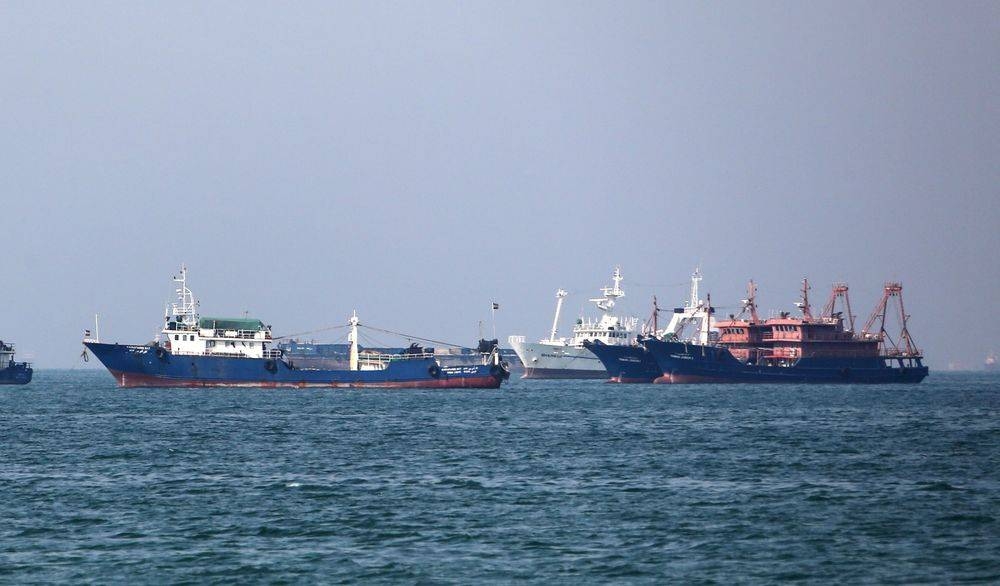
693	363
16	373
625	364
153	366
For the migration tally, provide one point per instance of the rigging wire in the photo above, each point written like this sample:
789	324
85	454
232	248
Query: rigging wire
411	337
635	285
394	333
371	341
310	332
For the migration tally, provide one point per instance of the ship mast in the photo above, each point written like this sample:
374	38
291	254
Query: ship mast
839	292
804	303
607	302
185	312
656	316
695	278
904	347
560	295
750	303
352	337
706	321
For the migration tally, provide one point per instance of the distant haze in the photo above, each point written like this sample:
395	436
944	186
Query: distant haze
415	161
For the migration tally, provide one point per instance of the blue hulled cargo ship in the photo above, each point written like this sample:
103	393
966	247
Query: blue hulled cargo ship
804	349
11	372
232	352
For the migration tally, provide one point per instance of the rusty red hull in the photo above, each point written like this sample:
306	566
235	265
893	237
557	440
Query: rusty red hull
132	380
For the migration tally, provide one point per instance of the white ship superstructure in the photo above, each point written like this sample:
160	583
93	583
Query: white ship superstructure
560	357
693	322
186	333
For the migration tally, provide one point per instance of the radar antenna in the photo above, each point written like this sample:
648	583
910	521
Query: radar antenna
607	302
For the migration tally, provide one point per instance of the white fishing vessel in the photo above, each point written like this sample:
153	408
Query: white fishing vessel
560	357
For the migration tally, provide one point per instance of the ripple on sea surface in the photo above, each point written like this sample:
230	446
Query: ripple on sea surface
539	480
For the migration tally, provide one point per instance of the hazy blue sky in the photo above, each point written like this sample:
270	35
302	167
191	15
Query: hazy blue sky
416	160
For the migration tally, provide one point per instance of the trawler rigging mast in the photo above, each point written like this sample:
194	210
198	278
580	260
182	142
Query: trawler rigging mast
839	292
892	293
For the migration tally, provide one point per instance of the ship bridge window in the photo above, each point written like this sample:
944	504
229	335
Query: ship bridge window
177	337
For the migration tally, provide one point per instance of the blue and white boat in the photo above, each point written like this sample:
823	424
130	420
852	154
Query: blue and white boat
633	363
200	351
12	372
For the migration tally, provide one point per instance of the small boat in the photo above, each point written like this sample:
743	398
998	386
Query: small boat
12	372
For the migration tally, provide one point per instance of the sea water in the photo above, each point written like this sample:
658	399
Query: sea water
545	481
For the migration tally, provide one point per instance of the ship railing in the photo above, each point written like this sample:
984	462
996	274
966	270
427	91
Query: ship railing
381	356
235	334
515	339
219	353
893	353
274	354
